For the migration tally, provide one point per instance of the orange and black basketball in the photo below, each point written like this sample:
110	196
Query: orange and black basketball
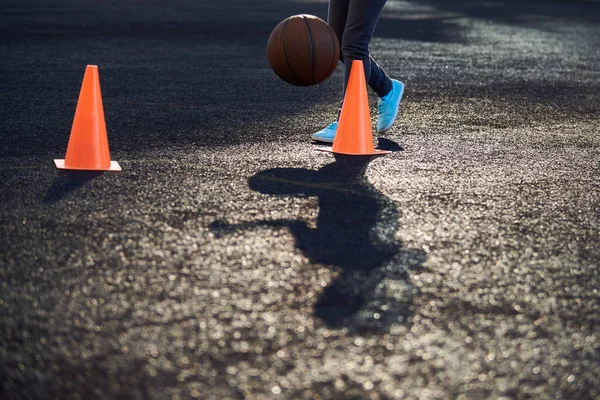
303	50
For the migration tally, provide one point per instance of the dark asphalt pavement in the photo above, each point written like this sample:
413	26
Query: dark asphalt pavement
229	259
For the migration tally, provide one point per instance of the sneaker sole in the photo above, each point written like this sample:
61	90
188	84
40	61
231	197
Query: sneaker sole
389	126
322	140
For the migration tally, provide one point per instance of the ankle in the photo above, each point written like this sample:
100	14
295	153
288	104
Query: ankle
387	92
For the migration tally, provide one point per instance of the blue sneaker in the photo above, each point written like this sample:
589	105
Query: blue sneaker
388	107
326	135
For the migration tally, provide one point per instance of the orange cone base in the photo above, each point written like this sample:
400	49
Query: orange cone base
114	166
374	153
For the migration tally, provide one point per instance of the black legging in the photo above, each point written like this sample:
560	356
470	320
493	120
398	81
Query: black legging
354	22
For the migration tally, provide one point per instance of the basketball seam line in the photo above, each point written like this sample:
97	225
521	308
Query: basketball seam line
312	50
285	50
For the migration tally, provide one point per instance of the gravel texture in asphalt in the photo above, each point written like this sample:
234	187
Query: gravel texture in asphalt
230	259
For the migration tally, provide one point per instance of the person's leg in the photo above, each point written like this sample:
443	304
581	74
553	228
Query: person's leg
361	20
336	18
354	22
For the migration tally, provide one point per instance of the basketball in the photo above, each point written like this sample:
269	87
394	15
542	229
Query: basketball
303	50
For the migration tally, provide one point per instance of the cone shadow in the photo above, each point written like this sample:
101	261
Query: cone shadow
67	182
355	235
388	144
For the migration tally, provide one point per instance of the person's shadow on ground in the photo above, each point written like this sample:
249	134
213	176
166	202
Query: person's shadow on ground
355	232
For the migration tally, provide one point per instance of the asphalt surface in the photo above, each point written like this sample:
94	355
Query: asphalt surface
229	259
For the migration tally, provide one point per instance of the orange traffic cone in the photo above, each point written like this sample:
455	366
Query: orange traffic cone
88	143
354	134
